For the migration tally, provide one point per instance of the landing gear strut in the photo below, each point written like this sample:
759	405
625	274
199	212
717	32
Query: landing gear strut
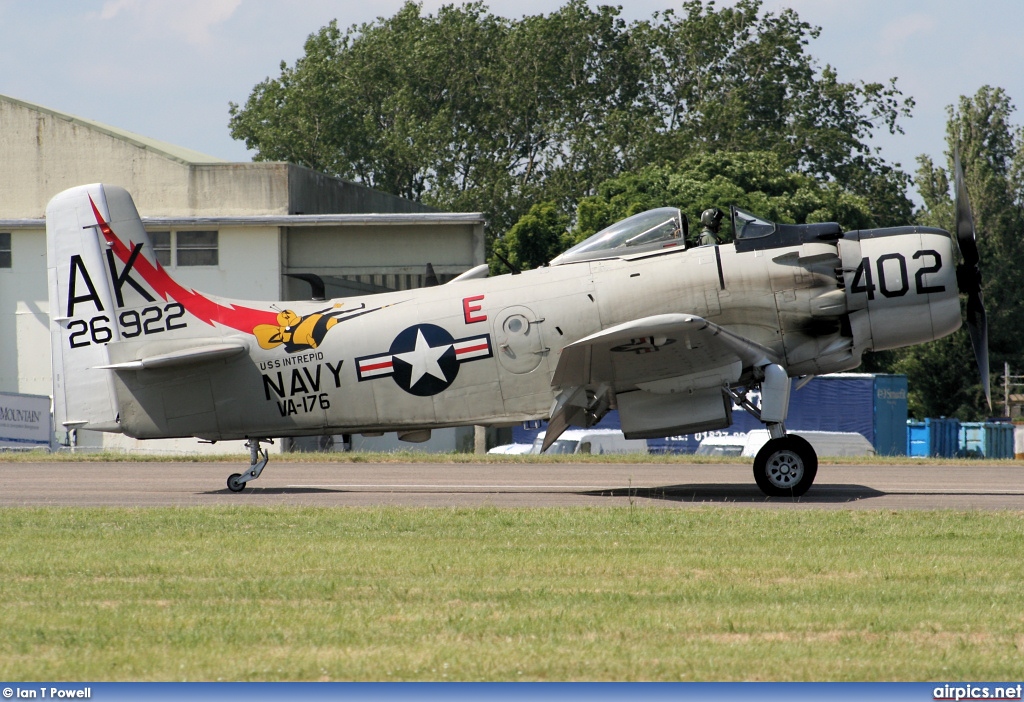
257	462
787	464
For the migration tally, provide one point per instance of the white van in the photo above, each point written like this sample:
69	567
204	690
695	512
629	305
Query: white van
593	441
512	449
825	443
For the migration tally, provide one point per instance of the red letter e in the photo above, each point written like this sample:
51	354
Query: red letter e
468	309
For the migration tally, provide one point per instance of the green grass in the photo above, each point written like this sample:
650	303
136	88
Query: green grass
509	594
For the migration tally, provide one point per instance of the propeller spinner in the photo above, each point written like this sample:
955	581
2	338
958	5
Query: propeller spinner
968	276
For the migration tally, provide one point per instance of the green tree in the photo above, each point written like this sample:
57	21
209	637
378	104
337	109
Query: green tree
470	111
756	181
535	239
381	104
943	376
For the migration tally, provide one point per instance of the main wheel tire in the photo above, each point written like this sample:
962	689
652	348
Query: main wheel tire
785	467
234	484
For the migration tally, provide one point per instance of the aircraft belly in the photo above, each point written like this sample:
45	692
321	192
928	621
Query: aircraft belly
183	411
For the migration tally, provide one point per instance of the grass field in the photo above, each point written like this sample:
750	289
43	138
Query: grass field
238	593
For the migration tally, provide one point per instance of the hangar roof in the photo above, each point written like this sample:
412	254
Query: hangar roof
331	220
178	153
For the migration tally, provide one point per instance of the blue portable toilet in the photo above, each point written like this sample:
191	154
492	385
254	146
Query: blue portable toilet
986	440
917	439
934	438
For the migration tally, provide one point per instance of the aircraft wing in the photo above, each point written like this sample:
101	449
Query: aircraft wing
666	353
661	348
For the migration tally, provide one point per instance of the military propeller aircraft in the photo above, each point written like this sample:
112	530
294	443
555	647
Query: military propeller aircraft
634	318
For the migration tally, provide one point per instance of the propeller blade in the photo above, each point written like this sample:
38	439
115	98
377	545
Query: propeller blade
965	237
968	276
977	327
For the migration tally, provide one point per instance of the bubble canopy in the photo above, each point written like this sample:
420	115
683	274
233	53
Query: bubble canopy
651	230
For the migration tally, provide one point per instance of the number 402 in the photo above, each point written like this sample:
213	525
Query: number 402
893	279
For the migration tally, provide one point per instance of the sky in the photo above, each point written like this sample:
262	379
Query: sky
167	69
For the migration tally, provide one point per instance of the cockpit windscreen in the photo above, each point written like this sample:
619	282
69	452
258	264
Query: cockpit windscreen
653	229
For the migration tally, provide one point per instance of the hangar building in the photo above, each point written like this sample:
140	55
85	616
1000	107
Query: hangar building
240	230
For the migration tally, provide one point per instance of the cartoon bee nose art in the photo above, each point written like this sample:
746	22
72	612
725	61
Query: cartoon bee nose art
297	333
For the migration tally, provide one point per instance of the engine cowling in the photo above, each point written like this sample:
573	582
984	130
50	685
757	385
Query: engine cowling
900	286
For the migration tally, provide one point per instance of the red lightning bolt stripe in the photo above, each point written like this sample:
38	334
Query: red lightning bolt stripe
241	318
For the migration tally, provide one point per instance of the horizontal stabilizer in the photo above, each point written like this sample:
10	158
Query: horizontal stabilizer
183	357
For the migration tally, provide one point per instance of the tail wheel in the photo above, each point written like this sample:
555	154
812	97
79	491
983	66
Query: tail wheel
785	467
234	484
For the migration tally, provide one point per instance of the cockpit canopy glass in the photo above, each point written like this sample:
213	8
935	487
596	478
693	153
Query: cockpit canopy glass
650	230
749	226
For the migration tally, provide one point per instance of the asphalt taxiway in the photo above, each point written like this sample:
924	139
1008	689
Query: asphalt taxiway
959	486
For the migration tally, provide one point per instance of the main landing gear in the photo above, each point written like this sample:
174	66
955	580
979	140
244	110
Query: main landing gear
257	462
787	464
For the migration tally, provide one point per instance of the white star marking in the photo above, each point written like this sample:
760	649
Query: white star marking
423	359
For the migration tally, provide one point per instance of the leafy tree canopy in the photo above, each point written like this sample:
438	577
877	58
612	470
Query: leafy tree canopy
467	110
943	376
755	181
538	236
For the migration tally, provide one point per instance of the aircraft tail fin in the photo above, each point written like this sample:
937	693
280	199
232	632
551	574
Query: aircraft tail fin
114	310
82	300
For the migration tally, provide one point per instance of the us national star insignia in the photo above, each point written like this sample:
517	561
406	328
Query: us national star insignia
424	359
